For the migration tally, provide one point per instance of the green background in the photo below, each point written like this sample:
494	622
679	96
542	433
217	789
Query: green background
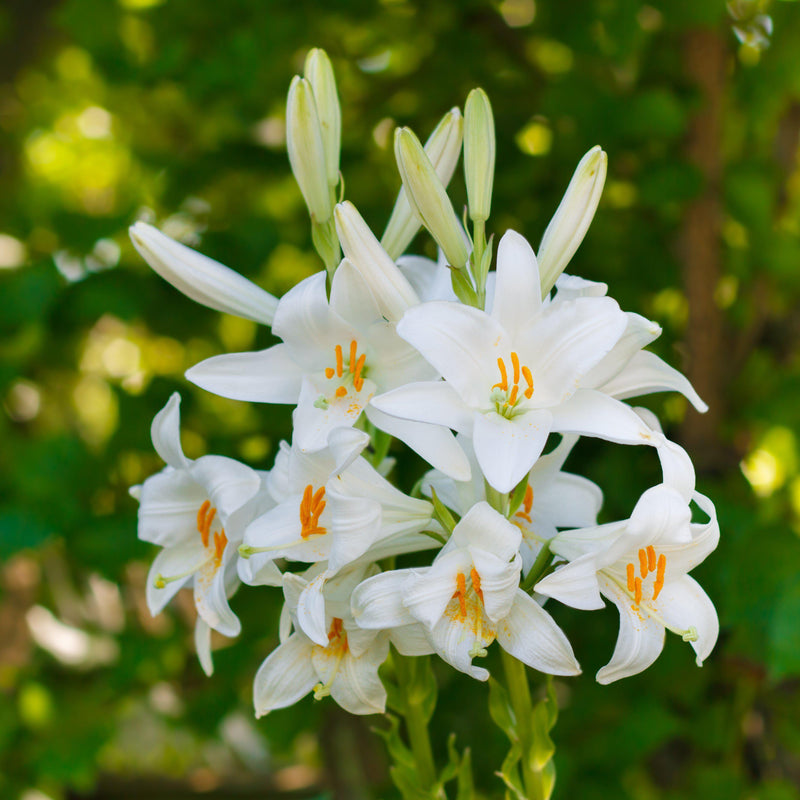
172	111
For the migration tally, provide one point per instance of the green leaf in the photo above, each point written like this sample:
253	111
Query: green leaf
509	772
784	634
500	709
466	786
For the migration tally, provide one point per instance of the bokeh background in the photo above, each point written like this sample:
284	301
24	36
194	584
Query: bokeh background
172	111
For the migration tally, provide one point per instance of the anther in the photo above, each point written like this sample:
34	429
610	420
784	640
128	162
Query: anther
220	541
651	558
512	398
329	372
340	391
476	582
353	347
659	583
503	376
630	577
637	590
358	381
643	562
461	594
515	364
339	365
526	373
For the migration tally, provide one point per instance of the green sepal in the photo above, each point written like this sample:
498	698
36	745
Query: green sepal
463	288
442	514
326	243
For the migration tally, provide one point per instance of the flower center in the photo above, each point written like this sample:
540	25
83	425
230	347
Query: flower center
647	565
311	507
337	648
505	394
214	546
354	369
469	610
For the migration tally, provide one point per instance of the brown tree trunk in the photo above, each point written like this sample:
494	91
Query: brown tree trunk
705	56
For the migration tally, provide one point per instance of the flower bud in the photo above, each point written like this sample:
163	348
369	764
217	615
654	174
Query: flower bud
571	221
479	154
443	149
390	287
319	73
306	150
201	278
428	197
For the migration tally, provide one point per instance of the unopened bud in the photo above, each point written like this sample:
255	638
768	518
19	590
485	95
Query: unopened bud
428	197
443	149
319	73
306	149
389	286
573	217
479	154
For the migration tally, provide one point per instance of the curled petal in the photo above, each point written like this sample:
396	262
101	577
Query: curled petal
285	676
166	433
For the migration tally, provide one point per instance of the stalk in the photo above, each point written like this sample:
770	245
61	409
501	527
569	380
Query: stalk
416	722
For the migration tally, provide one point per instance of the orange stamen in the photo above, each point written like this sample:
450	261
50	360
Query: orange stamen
503	376
643	562
512	398
637	590
329	372
340	391
659	584
339	366
336	629
201	515
206	532
353	347
311	508
461	594
220	540
515	364
529	380
630	577
305	504
528	501
358	381
320	493
476	582
651	558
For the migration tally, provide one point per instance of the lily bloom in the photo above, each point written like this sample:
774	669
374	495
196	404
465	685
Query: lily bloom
641	565
196	511
514	375
467	598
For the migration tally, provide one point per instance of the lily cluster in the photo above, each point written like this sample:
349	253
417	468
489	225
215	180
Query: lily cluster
490	375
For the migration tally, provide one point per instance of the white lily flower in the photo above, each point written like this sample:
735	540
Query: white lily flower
201	278
641	565
331	512
345	666
334	357
515	375
553	498
197	511
467	598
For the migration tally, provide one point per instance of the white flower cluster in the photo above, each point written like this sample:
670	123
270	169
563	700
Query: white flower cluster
473	369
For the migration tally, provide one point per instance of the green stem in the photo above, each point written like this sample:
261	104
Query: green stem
539	566
519	693
416	723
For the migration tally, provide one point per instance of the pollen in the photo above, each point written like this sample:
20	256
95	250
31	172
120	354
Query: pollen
476	583
311	507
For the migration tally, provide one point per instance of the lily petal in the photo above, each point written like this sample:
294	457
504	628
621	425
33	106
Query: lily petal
377	602
171	561
683	604
507	449
285	676
574	584
646	373
357	687
202	645
518	293
265	376
211	599
531	635
434	402
592	413
168	505
166	433
640	640
229	483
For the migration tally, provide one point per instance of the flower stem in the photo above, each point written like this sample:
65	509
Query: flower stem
409	679
543	560
519	693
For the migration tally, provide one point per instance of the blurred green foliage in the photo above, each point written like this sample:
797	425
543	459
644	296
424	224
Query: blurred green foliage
171	111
